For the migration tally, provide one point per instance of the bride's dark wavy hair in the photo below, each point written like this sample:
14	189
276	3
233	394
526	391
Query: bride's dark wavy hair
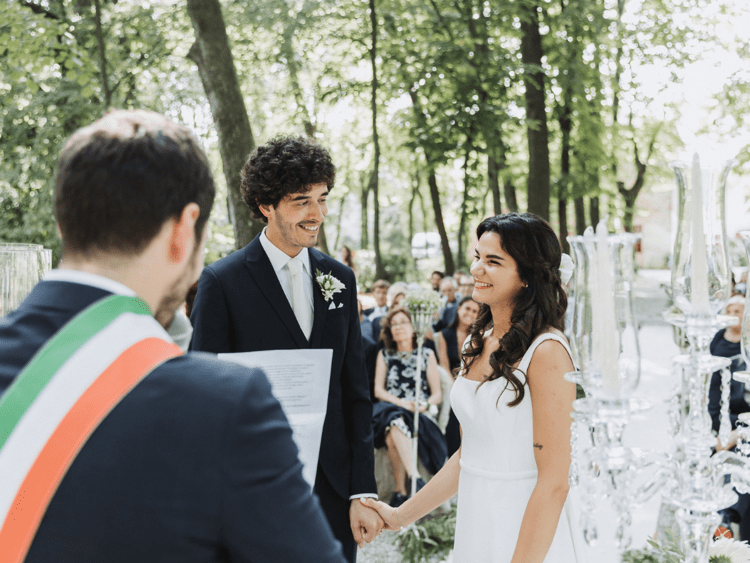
534	246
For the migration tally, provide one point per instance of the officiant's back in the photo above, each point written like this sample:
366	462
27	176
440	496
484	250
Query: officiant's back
196	462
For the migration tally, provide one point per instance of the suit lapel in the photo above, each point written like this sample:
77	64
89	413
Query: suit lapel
317	262
260	269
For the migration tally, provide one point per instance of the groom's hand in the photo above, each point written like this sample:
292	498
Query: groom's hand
366	523
387	513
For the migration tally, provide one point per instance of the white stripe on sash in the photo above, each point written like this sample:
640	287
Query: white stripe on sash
57	398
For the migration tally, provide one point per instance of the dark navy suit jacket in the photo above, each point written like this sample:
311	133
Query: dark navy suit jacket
196	464
241	307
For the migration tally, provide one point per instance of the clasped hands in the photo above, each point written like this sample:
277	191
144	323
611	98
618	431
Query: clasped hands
369	517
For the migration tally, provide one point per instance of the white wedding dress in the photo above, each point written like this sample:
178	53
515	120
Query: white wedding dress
498	471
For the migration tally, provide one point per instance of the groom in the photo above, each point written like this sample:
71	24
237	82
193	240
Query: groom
266	297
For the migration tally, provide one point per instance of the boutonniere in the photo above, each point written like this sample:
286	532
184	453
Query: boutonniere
328	284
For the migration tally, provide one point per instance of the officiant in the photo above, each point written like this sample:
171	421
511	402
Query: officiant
279	293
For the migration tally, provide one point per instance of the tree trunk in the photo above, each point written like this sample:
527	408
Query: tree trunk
631	195
415	185
566	126
339	216
594	210
580	211
434	192
365	215
102	55
536	117
212	55
379	269
509	190
493	183
435	195
464	212
293	68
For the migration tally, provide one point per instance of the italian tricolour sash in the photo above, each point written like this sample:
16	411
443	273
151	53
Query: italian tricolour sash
60	398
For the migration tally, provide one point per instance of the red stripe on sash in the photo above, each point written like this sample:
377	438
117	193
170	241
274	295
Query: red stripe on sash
79	423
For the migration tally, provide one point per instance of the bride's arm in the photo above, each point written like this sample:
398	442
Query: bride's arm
439	489
552	402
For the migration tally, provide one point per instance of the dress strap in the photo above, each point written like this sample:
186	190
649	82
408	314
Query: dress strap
526	360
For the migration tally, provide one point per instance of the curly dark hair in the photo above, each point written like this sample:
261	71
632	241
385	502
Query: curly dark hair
534	246
385	329
284	165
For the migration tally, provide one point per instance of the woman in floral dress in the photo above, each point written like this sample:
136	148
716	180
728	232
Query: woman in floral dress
393	415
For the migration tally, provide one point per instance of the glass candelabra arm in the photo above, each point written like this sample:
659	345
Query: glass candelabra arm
735	464
725	426
743	434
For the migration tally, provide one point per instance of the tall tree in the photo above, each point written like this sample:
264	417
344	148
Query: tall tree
374	177
536	116
421	122
213	57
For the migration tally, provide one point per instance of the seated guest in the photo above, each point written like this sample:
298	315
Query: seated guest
466	286
726	344
393	416
395	295
435	278
365	324
151	455
448	289
380	293
449	343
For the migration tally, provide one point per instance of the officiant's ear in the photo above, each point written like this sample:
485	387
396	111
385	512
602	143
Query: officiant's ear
183	231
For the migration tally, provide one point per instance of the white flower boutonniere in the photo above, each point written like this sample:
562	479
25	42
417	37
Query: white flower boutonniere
328	284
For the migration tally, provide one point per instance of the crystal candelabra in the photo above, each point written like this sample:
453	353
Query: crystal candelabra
606	346
422	306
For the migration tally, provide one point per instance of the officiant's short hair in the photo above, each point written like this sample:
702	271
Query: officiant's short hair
121	178
285	165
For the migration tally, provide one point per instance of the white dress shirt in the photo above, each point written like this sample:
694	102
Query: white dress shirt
85	278
279	260
378	312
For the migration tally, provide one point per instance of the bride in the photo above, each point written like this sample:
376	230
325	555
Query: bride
513	404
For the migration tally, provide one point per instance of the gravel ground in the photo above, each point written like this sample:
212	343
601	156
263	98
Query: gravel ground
384	550
381	550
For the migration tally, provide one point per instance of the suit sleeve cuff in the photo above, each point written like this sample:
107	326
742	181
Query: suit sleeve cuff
364	495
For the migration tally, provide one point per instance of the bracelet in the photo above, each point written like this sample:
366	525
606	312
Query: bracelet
398	520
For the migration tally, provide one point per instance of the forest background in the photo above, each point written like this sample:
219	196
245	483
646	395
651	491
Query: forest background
437	112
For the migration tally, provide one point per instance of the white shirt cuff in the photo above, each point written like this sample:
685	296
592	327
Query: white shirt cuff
364	495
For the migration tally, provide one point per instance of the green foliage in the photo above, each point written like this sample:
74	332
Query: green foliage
431	537
450	87
666	552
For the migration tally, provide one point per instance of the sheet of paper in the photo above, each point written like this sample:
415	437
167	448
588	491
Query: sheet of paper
300	380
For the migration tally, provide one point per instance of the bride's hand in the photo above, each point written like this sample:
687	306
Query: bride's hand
387	513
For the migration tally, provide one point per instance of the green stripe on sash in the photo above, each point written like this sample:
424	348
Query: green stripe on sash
57	351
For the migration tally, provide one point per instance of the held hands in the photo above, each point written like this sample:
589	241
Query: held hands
365	522
388	514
